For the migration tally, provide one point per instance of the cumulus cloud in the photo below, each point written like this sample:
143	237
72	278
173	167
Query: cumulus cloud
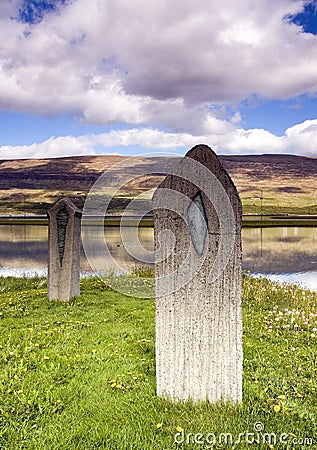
54	147
157	63
300	139
167	70
303	137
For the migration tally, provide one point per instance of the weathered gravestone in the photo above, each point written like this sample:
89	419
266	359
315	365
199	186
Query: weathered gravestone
197	231
64	250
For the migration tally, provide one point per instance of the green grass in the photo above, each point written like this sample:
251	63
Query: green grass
40	203
81	374
279	209
278	205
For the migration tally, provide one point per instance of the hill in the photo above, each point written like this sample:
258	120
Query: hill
267	183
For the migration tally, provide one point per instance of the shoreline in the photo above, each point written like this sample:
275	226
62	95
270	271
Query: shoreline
248	220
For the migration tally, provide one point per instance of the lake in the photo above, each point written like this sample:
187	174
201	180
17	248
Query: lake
280	253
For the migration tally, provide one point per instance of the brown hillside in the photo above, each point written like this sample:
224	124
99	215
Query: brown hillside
283	180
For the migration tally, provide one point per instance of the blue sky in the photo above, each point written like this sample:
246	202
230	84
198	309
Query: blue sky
115	76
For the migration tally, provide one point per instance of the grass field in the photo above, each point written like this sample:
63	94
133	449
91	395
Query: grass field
81	374
250	205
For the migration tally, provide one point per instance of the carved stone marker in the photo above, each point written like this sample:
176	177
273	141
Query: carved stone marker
64	250
197	232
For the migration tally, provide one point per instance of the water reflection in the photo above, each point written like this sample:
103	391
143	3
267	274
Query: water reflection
280	249
283	253
286	254
118	258
23	246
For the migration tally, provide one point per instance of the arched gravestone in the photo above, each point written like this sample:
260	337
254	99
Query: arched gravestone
64	250
197	232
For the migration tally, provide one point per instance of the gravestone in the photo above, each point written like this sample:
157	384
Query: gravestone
197	233
64	250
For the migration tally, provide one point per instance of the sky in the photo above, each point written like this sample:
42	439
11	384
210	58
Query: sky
83	77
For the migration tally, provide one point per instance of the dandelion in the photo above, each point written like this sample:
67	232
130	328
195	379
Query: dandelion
159	426
277	408
179	429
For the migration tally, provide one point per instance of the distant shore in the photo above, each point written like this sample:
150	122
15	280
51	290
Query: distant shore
248	220
268	185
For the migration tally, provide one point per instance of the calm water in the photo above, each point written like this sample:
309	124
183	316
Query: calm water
281	253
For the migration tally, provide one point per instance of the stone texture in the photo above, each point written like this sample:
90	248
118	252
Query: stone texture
197	232
64	250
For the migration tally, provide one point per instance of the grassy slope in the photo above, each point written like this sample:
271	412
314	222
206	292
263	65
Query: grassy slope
81	374
286	184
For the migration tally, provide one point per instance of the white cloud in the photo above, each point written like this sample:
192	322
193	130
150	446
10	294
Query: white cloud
53	147
156	63
300	139
243	32
303	137
8	8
